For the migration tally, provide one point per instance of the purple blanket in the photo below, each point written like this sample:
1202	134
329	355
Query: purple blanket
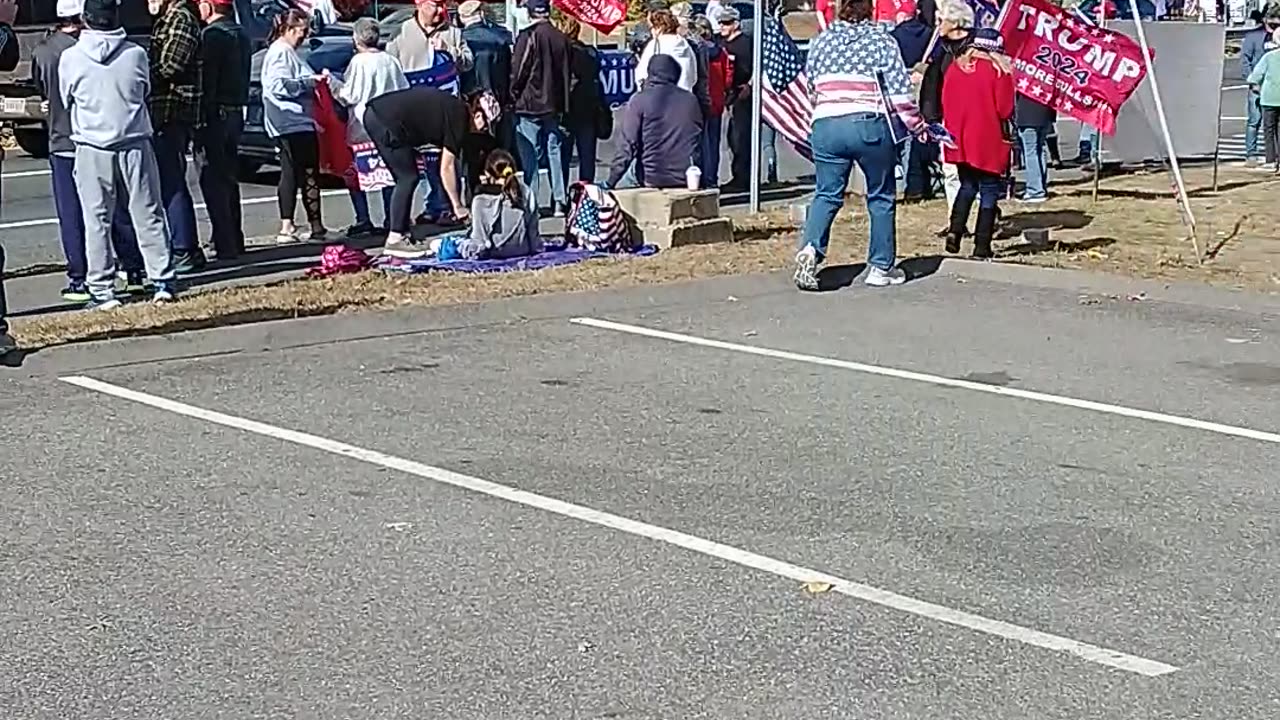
552	257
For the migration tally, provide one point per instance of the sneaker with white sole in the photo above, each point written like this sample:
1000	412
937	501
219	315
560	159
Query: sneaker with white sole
877	277
110	304
405	247
806	274
164	293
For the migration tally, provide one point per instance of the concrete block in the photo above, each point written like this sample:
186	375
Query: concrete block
685	232
650	206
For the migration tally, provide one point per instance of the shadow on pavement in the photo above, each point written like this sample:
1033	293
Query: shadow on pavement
1035	248
836	277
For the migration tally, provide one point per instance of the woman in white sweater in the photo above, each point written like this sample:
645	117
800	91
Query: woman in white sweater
370	73
288	98
667	40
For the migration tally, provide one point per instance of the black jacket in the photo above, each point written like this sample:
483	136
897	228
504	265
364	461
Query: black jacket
541	73
931	84
1028	113
661	129
44	73
491	46
586	98
225	71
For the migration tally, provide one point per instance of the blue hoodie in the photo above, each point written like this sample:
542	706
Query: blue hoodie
104	81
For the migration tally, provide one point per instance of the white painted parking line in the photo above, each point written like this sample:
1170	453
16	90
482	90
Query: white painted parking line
933	380
24	173
745	558
38	222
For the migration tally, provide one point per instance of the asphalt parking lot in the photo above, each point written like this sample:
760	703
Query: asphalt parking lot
1011	503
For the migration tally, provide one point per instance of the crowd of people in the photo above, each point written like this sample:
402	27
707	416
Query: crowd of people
885	99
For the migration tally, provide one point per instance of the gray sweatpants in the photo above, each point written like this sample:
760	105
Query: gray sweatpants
98	173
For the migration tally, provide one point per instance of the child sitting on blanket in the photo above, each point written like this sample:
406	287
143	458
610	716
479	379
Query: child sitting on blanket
504	217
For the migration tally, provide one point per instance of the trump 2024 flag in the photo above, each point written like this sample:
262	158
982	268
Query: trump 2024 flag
1077	68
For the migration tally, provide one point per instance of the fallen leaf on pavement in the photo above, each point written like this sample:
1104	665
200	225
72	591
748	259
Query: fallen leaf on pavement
750	333
813	588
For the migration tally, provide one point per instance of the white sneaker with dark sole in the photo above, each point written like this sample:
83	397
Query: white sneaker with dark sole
876	277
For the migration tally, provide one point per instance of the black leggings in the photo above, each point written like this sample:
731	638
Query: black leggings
1271	133
299	168
402	161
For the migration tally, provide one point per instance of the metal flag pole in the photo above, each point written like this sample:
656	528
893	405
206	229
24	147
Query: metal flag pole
1096	146
1180	187
757	86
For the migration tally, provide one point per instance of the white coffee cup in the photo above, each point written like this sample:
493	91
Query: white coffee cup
693	177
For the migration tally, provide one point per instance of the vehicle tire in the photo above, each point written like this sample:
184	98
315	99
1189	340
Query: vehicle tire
248	169
34	141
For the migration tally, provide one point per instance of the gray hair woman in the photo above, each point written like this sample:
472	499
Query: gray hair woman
370	74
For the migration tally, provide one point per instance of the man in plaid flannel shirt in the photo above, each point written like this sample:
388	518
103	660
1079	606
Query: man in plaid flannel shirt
175	113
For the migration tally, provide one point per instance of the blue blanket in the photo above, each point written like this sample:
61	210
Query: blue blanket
553	256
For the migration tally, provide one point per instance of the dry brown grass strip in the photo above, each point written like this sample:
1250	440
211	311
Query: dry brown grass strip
1133	230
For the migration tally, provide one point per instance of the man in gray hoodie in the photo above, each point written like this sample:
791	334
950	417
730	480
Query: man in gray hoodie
62	161
104	81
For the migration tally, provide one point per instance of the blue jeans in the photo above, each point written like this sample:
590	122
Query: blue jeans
435	202
710	162
1035	158
360	206
538	140
769	152
66	200
974	183
582	139
1253	124
1088	142
171	143
838	143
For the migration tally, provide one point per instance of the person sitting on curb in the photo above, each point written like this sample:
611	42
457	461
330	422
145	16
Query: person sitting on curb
661	130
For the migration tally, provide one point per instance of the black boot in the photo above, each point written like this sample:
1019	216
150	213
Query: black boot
959	222
983	232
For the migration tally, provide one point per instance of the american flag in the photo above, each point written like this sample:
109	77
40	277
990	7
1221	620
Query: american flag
785	102
596	221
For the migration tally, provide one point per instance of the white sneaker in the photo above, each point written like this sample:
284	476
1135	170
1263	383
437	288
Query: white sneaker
111	304
806	273
884	278
405	247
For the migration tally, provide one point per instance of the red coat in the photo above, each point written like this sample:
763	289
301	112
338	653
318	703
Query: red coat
719	79
975	106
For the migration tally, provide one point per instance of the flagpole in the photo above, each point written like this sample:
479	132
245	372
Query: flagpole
1181	187
1097	151
757	87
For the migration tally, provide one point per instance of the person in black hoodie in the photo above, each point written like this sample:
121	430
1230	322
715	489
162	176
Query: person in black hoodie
62	163
586	105
225	75
1034	121
661	129
540	82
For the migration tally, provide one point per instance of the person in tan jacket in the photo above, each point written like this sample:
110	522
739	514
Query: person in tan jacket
426	32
